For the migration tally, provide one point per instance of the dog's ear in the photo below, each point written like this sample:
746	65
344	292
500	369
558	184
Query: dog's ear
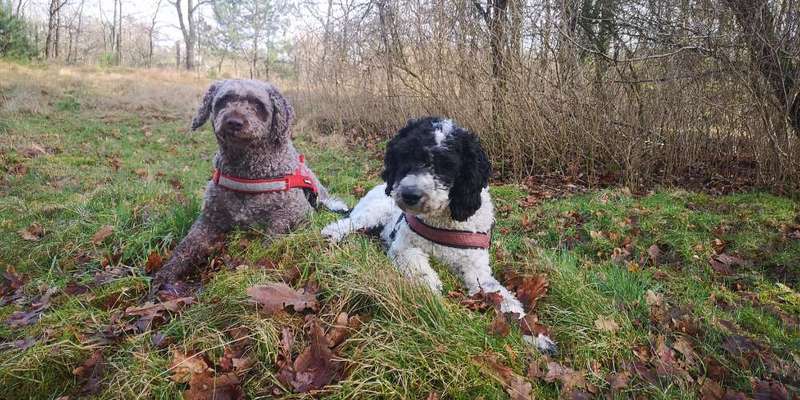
389	160
204	110
282	114
465	194
389	166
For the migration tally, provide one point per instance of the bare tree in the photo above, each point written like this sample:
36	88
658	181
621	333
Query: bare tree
151	33
188	28
53	28
118	23
769	57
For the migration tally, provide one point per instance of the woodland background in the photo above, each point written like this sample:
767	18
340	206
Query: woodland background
639	92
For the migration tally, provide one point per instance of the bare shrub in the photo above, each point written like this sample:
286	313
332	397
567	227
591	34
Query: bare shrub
606	91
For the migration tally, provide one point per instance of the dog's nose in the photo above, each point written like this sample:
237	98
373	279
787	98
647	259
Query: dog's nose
410	197
233	124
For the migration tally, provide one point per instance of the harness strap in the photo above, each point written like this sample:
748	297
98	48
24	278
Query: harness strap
449	238
297	180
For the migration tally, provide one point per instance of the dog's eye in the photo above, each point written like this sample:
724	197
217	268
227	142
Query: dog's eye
223	101
261	111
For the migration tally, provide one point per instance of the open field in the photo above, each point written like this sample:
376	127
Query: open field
672	294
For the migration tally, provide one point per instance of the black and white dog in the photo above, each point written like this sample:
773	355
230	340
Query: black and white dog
435	202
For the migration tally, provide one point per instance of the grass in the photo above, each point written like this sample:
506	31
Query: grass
127	161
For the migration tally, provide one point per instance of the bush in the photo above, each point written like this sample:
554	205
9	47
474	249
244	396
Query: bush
14	41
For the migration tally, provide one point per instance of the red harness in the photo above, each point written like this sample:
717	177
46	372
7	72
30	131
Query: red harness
449	238
297	180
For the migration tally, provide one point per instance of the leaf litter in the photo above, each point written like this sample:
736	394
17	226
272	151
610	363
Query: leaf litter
275	297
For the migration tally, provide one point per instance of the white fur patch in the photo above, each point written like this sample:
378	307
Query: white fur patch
442	130
435	195
335	205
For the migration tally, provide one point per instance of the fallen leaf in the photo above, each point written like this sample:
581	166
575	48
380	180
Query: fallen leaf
723	263
718	245
683	346
619	255
482	301
91	373
160	340
529	325
645	373
654	299
18	169
619	380
207	386
342	328
11	282
34	232
102	234
531	289
569	378
578	395
24	318
203	383
74	288
34	151
154	262
711	390
741	348
655	253
275	297
515	385
605	324
499	326
535	371
665	361
633	266
184	366
315	367
770	390
152	313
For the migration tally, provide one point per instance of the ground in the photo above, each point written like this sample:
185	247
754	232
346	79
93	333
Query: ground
669	294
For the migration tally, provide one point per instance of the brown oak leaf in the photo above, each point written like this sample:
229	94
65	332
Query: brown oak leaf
275	297
515	385
102	234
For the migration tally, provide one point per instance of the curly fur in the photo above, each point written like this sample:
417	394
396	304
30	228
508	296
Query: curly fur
438	172
251	122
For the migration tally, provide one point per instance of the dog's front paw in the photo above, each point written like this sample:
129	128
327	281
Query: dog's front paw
335	231
543	343
335	205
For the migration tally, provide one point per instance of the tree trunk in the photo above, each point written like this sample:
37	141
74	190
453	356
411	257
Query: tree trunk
187	30
113	39
78	31
151	32
758	23
118	57
51	41
178	55
387	49
496	20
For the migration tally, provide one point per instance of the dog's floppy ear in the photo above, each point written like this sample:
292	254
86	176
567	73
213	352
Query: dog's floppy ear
204	110
389	167
282	113
465	194
389	160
